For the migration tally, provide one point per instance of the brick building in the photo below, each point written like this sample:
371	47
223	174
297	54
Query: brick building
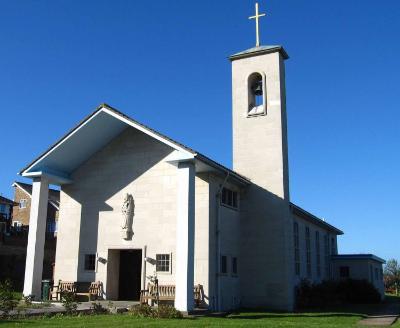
22	207
6	207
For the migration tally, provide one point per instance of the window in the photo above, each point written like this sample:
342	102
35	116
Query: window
22	203
51	226
2	208
376	274
333	248
224	264
163	262
256	94
229	198
318	253
296	248
17	225
90	262
371	270
308	252
327	257
234	265
344	272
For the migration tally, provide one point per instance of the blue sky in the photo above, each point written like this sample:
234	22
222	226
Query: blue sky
165	64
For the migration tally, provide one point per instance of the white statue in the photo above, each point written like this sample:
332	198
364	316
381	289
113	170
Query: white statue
128	211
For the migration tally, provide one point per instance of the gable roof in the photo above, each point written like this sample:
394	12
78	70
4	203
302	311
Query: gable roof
314	219
93	133
54	195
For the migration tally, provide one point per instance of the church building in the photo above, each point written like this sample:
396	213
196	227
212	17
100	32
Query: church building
134	203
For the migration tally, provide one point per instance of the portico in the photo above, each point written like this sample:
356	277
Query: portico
163	186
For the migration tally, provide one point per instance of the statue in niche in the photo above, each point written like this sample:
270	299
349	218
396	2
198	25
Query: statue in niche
128	211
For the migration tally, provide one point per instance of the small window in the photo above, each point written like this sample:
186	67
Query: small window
224	264
22	203
90	262
333	248
344	272
376	274
17	225
51	226
296	248
229	198
234	265
371	271
163	262
318	253
2	208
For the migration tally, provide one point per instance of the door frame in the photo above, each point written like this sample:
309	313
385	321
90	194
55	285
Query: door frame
143	268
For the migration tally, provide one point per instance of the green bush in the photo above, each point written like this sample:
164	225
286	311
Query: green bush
162	312
141	311
329	293
167	312
68	302
97	308
7	298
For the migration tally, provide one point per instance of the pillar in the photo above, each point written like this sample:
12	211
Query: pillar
184	299
36	238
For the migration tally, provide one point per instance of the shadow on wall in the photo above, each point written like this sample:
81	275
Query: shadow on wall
266	236
104	174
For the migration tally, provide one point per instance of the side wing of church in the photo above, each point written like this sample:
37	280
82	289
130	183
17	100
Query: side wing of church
135	205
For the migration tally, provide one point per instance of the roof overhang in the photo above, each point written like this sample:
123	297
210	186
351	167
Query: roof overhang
97	130
260	50
358	257
314	219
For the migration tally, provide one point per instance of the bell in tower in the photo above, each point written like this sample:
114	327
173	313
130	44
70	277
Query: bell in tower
256	94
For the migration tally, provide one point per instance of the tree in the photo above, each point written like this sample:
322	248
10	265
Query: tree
392	275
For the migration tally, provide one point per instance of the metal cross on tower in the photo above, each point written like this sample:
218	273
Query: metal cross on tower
256	17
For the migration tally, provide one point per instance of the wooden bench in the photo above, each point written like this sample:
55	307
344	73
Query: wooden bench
94	292
62	287
167	293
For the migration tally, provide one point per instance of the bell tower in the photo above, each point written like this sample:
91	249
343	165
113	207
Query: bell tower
260	150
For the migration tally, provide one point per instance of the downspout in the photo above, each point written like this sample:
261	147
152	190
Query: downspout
218	244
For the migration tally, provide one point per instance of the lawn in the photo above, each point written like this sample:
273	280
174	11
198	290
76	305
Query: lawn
347	316
245	319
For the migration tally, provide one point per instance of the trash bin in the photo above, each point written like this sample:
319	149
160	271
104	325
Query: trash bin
45	290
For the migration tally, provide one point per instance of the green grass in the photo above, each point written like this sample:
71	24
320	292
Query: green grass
244	319
341	318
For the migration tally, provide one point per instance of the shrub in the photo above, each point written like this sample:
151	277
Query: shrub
97	308
28	300
7	299
167	312
335	292
68	302
141	311
162	312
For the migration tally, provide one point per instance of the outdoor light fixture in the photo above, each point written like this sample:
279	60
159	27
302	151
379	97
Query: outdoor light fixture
150	260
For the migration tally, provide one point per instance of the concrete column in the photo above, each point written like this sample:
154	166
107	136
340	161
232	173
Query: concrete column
36	238
184	299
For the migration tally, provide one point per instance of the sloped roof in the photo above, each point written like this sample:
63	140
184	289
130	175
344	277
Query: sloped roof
314	219
255	51
4	200
54	195
94	132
